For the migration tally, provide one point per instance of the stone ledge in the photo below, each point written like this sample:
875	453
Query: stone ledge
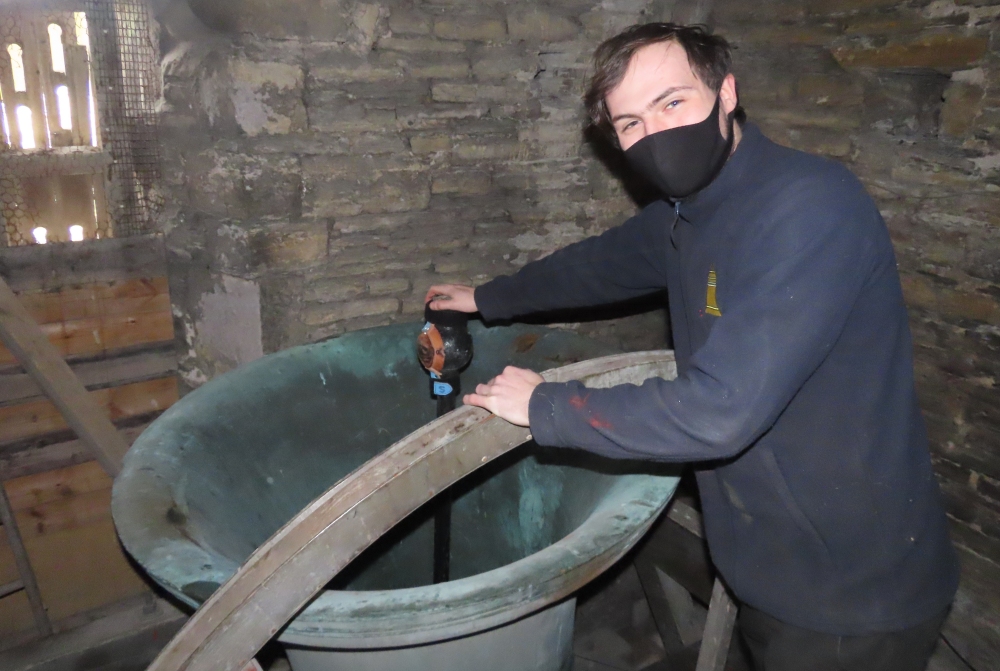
941	51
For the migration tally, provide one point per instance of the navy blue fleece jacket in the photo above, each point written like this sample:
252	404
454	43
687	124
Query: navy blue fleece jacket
794	395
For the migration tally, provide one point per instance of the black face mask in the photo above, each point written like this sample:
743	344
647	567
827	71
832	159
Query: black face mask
680	161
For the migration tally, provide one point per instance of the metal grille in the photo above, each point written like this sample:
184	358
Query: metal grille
78	85
127	78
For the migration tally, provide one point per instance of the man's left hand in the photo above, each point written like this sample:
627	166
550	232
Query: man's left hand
507	395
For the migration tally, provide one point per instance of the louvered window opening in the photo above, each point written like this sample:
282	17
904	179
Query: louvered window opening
79	158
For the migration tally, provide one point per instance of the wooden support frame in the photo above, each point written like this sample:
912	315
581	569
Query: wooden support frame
722	610
42	361
26	575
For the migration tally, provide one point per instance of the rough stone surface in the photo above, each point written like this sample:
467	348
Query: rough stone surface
344	160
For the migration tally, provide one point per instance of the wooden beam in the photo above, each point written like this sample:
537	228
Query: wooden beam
25	573
39	459
43	362
115	370
97	335
37	418
291	567
718	630
11	587
686	516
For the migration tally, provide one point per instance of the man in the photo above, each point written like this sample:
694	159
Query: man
794	397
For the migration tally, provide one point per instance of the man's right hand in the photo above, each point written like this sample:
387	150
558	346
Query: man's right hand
451	297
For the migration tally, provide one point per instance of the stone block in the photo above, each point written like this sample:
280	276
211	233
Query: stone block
450	92
318	168
212	181
332	290
377	143
396	192
439	115
462	183
497	150
322	20
385	95
326	313
899	22
942	51
409	22
354	72
951	303
430	144
420	44
458	69
472	28
367	223
290	246
797	34
539	25
503	61
369	194
824	7
388	285
832	90
962	104
267	97
811	117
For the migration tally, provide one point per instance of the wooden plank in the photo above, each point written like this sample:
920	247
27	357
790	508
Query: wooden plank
99	335
38	459
11	587
23	337
718	630
123	297
16	387
290	568
51	267
24	570
56	486
75	512
82	568
687	517
35	418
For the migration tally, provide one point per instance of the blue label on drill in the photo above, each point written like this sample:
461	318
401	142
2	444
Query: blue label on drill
442	388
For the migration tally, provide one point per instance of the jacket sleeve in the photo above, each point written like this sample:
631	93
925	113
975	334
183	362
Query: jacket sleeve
796	280
622	263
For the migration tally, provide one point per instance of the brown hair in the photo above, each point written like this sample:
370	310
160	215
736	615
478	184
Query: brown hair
709	55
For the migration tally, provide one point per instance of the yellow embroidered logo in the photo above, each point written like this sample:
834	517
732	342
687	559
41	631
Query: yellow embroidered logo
711	306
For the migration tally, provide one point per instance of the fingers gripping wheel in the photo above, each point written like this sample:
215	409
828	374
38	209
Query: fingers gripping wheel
444	346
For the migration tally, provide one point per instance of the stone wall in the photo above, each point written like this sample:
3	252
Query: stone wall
907	94
331	159
344	160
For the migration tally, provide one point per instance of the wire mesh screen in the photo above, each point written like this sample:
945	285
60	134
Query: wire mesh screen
127	78
78	85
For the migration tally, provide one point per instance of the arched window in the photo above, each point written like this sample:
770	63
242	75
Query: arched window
63	105
17	67
26	127
76	233
40	234
56	46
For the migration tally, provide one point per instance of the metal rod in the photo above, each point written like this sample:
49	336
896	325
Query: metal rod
442	517
23	565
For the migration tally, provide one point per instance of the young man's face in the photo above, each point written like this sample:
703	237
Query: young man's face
660	91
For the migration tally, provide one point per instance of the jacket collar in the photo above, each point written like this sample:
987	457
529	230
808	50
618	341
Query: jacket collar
703	204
